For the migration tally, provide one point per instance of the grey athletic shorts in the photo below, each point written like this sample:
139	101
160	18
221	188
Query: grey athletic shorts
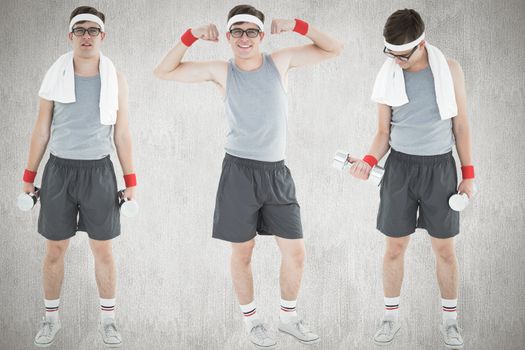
418	182
255	197
83	188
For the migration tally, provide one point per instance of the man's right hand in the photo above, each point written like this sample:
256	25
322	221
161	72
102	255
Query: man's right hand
359	168
208	32
28	187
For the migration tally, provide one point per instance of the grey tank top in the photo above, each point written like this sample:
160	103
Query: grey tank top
76	131
416	127
257	112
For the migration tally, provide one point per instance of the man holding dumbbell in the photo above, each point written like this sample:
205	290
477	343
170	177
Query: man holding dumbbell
83	99
422	111
256	191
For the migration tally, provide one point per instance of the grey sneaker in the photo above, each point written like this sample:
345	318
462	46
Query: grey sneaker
386	332
299	330
110	335
47	333
451	334
260	337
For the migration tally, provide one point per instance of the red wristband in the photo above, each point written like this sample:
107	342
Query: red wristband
130	180
467	171
188	38
301	27
29	176
371	160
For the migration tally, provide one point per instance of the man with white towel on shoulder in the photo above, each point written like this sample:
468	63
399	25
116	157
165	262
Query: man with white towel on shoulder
422	113
83	100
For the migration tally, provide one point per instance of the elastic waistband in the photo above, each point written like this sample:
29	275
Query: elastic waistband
421	159
80	163
254	163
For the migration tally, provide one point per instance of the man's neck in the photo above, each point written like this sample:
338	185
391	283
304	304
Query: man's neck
86	67
420	64
249	64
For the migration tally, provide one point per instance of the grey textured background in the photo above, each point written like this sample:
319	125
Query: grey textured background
174	289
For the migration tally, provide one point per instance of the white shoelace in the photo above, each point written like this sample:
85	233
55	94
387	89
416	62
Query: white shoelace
260	332
302	327
452	331
46	328
386	327
110	330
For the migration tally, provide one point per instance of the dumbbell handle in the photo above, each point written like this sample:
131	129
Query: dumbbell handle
128	207
342	161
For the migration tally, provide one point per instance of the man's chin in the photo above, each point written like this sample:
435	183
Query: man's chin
92	52
245	54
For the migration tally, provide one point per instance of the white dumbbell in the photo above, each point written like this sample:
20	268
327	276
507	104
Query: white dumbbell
458	201
342	162
128	207
26	201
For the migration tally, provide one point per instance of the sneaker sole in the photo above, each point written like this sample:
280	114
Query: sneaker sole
453	346
265	347
380	343
44	345
306	342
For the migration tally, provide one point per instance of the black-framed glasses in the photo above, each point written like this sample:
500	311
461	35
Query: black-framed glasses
92	31
250	32
403	58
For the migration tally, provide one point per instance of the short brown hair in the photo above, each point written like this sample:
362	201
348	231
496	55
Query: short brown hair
87	9
403	26
246	10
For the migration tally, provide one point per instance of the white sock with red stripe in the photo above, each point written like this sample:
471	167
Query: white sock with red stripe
449	309
51	309
391	308
287	312
249	312
107	308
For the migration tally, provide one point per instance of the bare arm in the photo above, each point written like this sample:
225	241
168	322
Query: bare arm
39	138
172	68
460	125
322	48
380	145
121	132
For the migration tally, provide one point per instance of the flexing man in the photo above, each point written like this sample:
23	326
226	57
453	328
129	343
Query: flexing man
422	113
82	101
256	193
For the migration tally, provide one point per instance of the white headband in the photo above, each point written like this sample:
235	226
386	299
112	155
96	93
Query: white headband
405	47
86	17
246	18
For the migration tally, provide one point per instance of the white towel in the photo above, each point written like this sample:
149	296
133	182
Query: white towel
389	87
59	85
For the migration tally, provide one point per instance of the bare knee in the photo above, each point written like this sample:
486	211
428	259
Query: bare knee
446	255
103	256
296	255
242	252
395	250
55	251
102	252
